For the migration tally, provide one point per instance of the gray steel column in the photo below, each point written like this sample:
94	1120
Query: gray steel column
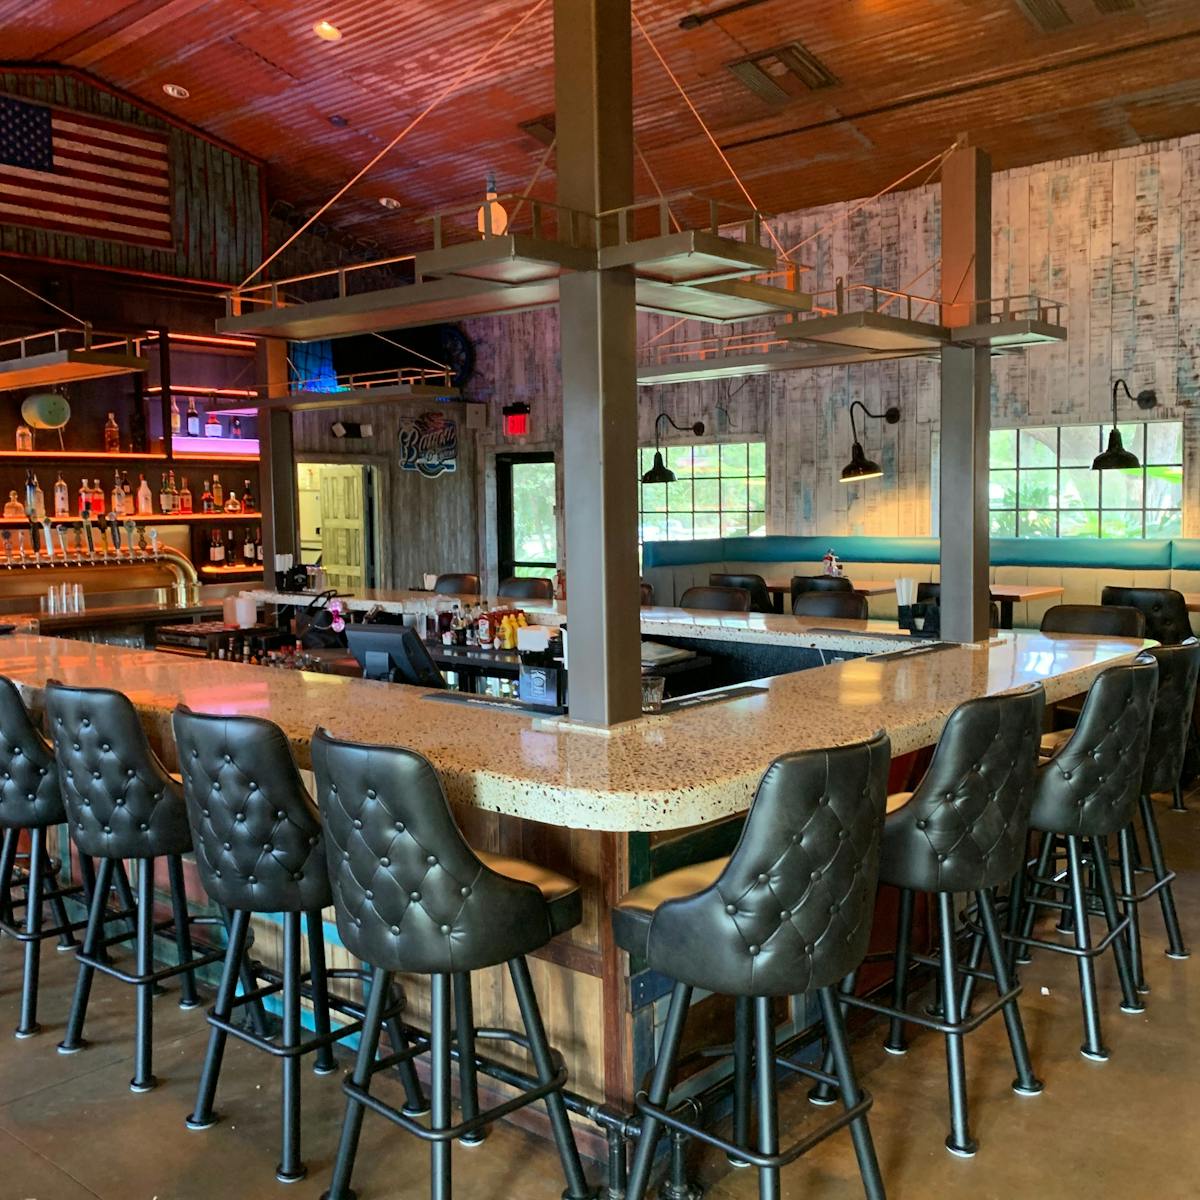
594	128
277	463
966	376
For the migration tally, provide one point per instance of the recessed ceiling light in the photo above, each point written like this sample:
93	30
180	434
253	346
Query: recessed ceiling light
389	202
327	31
176	91
338	121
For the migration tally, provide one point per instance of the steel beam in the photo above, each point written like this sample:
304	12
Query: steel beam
277	463
594	126
966	376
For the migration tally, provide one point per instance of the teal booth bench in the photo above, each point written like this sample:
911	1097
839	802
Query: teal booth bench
1082	566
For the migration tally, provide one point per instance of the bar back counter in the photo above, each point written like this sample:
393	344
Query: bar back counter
610	808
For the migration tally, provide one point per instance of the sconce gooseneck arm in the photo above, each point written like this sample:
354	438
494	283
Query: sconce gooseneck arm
1119	383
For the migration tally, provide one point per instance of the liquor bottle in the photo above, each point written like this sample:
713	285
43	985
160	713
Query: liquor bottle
85	497
235	427
24	439
62	497
185	497
249	504
218	494
230	548
193	418
145	498
176	421
232	504
172	491
112	435
206	499
258	546
127	489
117	496
216	549
212	426
249	549
164	496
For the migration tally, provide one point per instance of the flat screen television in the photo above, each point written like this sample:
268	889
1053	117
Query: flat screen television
395	653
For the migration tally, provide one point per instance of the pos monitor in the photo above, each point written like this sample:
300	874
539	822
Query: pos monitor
395	653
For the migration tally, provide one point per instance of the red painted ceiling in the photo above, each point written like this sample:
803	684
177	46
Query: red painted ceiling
911	74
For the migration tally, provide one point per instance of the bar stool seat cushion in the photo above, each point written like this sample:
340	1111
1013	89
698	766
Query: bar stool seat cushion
632	917
564	900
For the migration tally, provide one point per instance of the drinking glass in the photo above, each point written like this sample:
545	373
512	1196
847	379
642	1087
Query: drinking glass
652	693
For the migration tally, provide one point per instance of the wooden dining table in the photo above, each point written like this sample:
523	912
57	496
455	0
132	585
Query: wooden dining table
781	587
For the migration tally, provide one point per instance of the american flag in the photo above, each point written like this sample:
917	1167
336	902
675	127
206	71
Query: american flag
74	173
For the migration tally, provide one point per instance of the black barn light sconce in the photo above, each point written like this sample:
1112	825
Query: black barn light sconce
1116	457
861	467
660	472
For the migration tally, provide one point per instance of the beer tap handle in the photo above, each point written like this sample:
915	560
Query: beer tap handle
62	542
6	537
47	539
154	542
87	533
33	537
130	529
142	538
21	544
114	531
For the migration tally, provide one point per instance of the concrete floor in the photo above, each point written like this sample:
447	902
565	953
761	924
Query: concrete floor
71	1130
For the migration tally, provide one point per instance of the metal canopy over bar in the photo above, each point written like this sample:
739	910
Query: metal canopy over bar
302	401
48	358
868	330
689	256
730	366
505	258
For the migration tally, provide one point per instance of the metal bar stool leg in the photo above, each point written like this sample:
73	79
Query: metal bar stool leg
1016	904
325	1063
343	1166
143	1037
743	1055
29	1026
291	1169
543	1061
897	1039
73	1037
825	1094
183	931
1093	1045
440	1178
1026	1083
464	1035
768	1100
659	1091
8	861
1041	870
974	962
415	1103
1177	804
1102	873
860	1131
202	1116
1125	844
960	1141
66	939
1166	896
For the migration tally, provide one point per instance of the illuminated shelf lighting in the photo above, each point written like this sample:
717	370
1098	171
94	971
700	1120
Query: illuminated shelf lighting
205	569
83	455
156	519
216	448
182	389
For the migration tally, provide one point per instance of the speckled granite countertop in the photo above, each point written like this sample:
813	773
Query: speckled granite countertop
659	772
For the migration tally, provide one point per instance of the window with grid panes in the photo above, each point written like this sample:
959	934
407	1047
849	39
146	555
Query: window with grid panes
720	491
1042	484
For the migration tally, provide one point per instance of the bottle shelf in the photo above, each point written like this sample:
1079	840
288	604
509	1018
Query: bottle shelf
81	456
240	569
154	519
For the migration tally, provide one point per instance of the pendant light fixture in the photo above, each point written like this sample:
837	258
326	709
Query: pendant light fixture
492	218
659	471
861	467
1116	457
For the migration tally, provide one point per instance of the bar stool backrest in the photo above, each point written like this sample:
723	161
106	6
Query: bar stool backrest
1165	611
819	583
647	593
457	585
29	791
409	892
792	910
716	599
256	830
1178	671
1089	788
964	828
1101	620
842	606
120	800
521	588
756	585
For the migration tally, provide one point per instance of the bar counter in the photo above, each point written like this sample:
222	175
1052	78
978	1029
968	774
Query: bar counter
610	809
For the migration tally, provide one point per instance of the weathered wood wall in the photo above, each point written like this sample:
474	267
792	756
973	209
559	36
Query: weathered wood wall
1115	235
217	202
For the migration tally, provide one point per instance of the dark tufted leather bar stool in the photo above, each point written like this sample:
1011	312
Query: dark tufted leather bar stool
1099	620
838	605
526	588
716	599
30	800
122	804
259	849
1084	795
788	912
1165	611
964	830
819	583
412	896
756	585
457	585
